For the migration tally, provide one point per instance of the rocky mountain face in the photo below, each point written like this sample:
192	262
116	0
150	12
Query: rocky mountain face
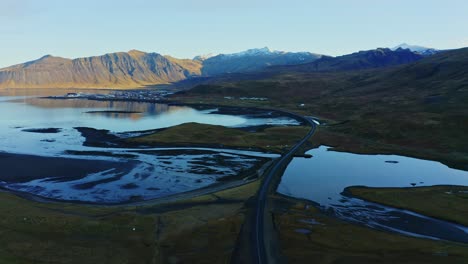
115	70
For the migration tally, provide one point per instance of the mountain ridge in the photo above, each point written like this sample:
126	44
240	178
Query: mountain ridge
135	69
367	59
121	69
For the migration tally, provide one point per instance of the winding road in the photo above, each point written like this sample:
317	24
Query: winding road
258	245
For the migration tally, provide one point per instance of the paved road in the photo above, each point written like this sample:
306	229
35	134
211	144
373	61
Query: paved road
258	246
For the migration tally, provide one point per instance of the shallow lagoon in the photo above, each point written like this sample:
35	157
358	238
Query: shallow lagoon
46	127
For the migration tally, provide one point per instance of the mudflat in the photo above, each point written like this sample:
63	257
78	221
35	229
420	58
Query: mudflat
18	168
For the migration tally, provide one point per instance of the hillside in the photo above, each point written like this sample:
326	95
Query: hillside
123	69
419	109
440	80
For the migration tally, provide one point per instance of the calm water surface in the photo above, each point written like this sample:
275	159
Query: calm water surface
19	113
322	178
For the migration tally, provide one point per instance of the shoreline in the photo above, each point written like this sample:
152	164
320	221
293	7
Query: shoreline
349	193
199	106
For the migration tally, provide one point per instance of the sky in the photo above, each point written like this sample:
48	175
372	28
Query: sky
30	29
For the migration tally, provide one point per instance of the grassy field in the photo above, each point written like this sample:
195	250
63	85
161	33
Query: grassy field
273	139
201	230
444	202
307	235
41	233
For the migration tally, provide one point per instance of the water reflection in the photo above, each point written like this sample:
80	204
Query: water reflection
48	91
323	178
117	114
130	106
39	113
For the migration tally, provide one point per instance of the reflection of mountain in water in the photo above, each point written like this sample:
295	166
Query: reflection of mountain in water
47	92
136	109
110	114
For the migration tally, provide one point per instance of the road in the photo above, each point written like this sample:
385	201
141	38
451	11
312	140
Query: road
258	246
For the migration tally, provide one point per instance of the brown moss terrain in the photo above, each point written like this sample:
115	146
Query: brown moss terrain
274	139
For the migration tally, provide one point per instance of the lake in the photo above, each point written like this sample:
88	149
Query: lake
323	178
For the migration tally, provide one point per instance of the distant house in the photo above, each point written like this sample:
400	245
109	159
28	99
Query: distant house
72	95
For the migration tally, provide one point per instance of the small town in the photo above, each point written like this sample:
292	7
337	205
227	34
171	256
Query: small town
143	95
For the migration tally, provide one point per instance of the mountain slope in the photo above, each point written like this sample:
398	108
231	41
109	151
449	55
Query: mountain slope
253	60
442	74
378	58
122	69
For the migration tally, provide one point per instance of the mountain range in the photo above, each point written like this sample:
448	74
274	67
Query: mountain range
378	58
253	60
135	68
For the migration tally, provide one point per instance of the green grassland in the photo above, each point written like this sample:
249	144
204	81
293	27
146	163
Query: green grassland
444	202
273	139
328	240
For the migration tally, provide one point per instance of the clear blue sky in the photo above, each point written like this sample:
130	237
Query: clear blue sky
78	28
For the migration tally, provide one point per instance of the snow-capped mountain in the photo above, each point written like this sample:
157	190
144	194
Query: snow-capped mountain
417	49
253	60
253	52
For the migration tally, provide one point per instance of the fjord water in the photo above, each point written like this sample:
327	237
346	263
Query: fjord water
20	113
323	178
